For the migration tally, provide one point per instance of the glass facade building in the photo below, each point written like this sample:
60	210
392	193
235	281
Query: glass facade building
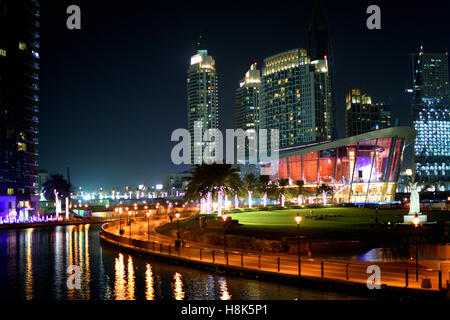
19	100
360	169
202	99
431	117
295	98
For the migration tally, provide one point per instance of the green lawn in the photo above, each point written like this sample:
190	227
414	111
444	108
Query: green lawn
354	223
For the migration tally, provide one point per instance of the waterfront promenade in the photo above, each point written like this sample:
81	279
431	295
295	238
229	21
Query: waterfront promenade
142	236
92	220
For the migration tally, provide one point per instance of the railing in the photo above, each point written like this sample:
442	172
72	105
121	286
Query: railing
391	275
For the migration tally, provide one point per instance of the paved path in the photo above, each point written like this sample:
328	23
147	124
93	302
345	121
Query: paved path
392	273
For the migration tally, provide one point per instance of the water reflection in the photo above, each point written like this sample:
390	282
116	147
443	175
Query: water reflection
34	264
29	279
224	289
149	290
119	284
178	292
130	284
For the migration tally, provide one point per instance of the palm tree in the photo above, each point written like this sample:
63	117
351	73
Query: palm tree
264	188
57	188
301	191
250	183
211	181
323	190
283	190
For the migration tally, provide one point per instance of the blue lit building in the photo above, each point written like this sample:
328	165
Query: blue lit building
431	117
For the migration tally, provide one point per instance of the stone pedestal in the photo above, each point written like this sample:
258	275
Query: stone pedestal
408	218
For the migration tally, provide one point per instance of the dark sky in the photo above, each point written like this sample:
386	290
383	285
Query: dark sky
113	92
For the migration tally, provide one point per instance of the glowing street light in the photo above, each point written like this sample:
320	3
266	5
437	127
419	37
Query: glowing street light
120	221
298	219
177	215
148	225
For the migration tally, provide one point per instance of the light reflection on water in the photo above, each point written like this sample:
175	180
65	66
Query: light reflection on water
397	254
34	262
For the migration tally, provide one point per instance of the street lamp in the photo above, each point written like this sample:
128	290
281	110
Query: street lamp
148	225
177	215
120	221
416	221
129	221
298	219
225	217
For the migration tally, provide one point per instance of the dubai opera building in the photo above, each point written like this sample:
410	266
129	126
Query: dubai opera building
360	169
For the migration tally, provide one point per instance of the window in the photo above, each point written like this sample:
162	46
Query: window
22	46
2	52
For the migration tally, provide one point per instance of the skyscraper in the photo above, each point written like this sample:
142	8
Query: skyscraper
361	115
295	98
247	100
320	48
202	98
431	116
19	66
247	111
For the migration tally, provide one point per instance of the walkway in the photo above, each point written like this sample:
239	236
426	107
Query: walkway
400	275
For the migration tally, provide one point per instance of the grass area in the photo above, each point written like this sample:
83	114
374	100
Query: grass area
351	224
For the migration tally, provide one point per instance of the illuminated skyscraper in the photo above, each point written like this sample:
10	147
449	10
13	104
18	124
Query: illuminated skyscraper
19	67
202	98
320	47
296	98
247	109
361	115
431	116
247	100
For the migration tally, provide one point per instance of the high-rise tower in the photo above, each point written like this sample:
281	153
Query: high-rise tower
361	115
19	67
247	100
295	98
320	48
247	113
202	98
431	116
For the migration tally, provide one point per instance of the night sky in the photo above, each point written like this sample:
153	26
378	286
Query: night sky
113	92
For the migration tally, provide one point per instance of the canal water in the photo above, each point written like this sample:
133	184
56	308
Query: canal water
34	265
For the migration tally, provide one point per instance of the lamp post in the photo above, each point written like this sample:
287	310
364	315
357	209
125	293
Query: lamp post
120	220
148	225
416	221
298	219
225	217
129	221
177	215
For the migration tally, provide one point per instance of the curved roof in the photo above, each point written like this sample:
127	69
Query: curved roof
407	133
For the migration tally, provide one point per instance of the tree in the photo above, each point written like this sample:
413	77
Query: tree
263	187
301	191
250	184
57	188
211	181
283	190
323	190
